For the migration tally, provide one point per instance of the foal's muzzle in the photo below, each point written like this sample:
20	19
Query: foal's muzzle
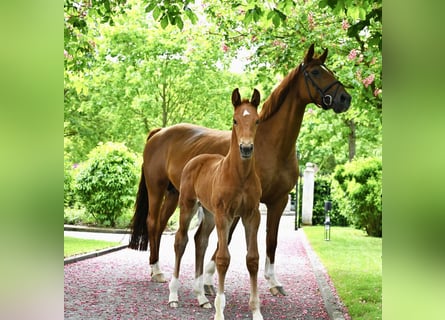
246	150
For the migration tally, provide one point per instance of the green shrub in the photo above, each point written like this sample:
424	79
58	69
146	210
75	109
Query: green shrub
106	183
357	188
322	193
69	192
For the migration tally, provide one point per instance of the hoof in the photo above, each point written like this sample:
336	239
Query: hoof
277	291
173	304
206	305
209	290
159	277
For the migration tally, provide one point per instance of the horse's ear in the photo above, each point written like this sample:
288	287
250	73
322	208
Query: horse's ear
236	98
324	55
309	54
256	97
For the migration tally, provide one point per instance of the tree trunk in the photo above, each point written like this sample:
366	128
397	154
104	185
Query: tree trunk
352	139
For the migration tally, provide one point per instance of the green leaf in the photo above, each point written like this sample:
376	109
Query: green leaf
150	6
164	21
191	15
156	13
179	22
276	21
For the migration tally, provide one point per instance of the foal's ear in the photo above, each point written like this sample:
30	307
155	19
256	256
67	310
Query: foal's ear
236	98
309	54
256	97
323	56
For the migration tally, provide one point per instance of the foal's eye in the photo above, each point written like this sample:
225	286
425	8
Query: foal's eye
257	122
234	122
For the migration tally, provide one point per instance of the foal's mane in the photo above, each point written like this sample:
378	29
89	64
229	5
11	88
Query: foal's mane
276	99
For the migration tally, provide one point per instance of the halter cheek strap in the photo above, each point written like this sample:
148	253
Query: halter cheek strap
326	99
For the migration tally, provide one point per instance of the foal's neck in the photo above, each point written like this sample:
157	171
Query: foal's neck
243	168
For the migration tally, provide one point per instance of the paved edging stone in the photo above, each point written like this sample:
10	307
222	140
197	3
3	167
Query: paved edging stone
93	254
332	303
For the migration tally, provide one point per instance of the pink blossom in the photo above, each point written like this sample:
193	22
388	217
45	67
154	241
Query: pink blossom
224	47
310	19
352	54
377	91
368	80
345	24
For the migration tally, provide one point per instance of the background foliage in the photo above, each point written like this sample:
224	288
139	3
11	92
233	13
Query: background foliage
357	188
133	65
106	183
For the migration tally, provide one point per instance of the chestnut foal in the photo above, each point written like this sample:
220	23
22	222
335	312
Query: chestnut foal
228	187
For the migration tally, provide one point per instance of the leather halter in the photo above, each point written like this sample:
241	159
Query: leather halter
326	99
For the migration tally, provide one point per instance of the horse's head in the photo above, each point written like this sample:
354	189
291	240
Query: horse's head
323	88
245	121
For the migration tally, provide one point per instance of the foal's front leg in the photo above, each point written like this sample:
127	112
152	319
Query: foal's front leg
210	267
222	263
251	225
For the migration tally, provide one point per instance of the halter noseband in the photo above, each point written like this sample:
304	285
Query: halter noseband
326	99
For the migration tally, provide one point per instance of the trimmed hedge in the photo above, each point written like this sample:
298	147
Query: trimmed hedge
357	189
322	193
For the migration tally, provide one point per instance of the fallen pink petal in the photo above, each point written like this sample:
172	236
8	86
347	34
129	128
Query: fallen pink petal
118	286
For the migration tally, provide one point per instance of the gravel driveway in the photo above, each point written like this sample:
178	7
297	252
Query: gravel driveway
117	285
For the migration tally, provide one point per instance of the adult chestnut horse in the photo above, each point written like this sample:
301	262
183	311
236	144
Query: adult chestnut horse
168	150
228	187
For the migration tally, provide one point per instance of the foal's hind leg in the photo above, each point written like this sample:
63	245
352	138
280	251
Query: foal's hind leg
201	242
210	267
181	238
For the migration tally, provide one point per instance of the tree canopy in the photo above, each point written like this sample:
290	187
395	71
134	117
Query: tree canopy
131	66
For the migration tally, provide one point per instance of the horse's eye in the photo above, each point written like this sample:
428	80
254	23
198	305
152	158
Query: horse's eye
257	122
315	72
234	122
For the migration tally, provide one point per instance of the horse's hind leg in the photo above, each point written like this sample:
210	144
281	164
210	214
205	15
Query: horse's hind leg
201	242
181	238
163	202
251	225
209	286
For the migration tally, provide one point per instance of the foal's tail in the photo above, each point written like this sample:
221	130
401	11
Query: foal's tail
139	231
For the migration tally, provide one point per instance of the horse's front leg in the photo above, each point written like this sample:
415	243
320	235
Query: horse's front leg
274	212
211	267
251	225
201	242
222	263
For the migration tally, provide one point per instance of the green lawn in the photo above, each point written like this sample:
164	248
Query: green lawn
74	246
354	263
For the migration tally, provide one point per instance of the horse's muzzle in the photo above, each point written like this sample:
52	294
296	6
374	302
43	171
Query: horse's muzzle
342	102
246	150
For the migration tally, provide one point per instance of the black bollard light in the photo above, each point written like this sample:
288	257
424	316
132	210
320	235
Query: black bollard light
327	220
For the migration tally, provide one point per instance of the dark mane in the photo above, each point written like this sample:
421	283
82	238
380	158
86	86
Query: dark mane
276	99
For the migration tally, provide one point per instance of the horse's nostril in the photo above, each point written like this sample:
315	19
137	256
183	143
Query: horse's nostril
246	149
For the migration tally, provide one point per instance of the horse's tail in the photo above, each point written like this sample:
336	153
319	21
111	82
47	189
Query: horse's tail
139	231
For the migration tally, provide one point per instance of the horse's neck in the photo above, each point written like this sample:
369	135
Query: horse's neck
280	131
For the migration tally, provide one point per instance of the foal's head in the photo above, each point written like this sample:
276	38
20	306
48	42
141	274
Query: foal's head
245	121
